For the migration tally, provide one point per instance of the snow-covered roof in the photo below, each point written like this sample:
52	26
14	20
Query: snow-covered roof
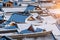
49	19
23	26
17	18
13	0
46	4
34	15
15	9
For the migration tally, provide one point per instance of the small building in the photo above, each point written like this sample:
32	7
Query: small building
8	4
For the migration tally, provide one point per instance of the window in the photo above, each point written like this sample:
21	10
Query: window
15	3
9	5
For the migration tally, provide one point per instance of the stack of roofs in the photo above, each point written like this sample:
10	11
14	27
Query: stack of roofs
13	3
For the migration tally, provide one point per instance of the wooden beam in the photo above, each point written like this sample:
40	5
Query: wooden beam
8	31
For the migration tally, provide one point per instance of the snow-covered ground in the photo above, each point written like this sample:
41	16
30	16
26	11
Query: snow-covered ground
56	11
46	4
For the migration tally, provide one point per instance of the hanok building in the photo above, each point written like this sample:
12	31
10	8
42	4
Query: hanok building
8	4
0	0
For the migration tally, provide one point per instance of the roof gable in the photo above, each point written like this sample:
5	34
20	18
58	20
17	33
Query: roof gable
31	19
31	28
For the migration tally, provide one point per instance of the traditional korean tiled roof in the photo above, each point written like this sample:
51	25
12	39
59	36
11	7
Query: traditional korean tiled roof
5	38
31	30
30	7
20	18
